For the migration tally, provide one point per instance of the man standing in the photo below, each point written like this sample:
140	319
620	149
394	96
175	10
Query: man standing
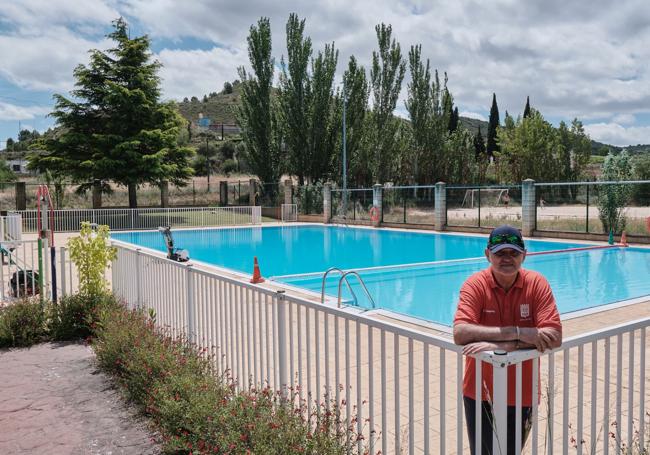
503	308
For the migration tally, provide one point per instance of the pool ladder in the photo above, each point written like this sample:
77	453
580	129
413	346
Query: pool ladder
344	278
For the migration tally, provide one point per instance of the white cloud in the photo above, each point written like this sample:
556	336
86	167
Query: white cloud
624	119
44	62
473	115
196	73
34	16
13	112
615	134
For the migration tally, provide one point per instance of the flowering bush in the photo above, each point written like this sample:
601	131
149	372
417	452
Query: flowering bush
22	323
198	411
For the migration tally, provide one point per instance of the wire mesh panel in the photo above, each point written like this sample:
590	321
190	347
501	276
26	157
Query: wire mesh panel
409	205
352	204
594	207
501	205
463	206
309	199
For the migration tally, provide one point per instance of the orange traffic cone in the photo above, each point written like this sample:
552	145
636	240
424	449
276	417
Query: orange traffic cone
257	276
624	239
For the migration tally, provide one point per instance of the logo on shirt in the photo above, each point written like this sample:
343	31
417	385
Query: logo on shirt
524	310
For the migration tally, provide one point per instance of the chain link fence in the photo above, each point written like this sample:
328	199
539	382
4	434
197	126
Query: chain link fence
409	205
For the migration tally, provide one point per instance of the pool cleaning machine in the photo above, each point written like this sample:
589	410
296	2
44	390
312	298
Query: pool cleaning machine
175	254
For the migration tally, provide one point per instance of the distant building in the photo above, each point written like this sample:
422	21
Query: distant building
19	166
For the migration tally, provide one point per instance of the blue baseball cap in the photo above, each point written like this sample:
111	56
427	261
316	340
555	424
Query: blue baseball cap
505	236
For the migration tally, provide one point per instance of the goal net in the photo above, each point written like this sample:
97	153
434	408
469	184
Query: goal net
488	197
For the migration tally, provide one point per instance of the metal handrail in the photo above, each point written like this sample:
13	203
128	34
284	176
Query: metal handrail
322	289
363	285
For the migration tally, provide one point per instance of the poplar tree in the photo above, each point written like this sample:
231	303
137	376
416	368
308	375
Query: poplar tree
309	110
493	125
324	114
114	128
293	96
386	75
420	108
356	91
257	114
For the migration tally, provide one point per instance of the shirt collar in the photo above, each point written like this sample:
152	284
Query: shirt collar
519	282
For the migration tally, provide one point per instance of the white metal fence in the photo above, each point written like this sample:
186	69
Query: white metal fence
399	386
70	220
19	271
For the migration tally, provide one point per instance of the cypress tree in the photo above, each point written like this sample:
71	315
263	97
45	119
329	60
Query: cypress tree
453	120
527	108
479	145
493	124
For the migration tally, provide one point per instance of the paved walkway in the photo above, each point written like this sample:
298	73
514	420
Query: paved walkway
53	400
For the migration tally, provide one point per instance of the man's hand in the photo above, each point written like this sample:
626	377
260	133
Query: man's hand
480	346
542	338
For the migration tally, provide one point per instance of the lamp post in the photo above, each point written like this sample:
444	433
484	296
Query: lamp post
207	159
345	160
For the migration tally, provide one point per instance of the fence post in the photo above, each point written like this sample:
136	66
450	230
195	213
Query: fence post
378	202
252	192
164	194
97	194
282	343
191	326
223	193
63	277
288	191
500	405
528	207
327	203
440	201
138	279
21	196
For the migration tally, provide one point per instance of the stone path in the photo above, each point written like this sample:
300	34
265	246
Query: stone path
54	400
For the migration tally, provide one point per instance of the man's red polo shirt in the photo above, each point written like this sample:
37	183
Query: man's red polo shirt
528	303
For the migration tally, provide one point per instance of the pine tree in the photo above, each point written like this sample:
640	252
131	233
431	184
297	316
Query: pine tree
115	127
527	108
493	124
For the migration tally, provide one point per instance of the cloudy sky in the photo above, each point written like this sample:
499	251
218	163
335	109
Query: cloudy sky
584	59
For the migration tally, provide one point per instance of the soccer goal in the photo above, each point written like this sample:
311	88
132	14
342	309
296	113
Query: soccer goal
488	197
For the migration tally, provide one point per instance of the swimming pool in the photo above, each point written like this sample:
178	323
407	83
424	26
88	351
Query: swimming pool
298	255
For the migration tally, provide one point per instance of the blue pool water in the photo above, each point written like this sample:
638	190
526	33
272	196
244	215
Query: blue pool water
579	280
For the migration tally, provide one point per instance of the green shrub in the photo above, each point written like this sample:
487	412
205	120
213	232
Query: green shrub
199	412
22	324
92	255
77	316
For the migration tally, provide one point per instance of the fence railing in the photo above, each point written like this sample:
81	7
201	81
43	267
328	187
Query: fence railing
20	268
401	387
149	218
